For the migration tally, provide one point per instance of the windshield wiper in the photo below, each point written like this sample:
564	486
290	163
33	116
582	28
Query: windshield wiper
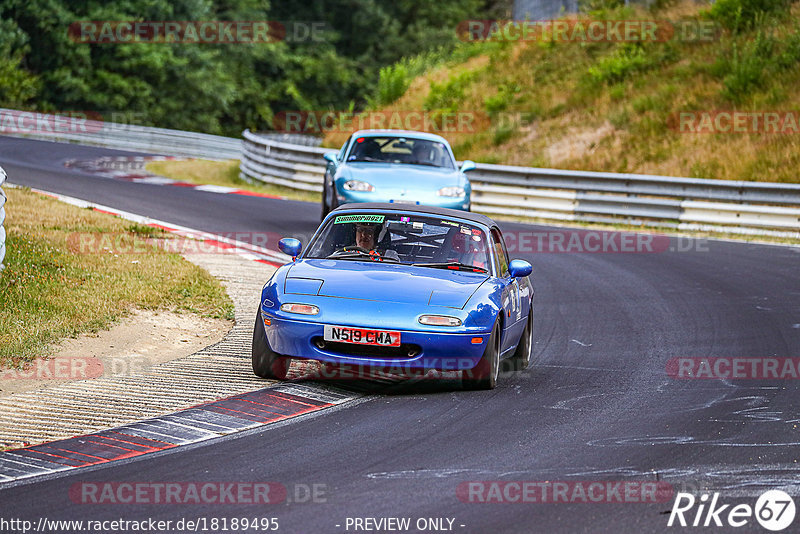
429	164
367	159
356	255
456	264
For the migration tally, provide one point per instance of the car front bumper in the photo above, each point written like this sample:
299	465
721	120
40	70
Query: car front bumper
456	203
445	351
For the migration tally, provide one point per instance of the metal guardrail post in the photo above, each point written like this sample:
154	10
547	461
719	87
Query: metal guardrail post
2	218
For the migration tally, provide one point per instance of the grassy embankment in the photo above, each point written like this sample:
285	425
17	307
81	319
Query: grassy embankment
607	106
614	106
71	271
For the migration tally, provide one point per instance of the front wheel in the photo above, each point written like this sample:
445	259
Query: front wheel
266	363
484	375
325	209
334	203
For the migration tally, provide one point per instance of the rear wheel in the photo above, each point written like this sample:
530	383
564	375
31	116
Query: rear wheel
484	375
521	359
266	363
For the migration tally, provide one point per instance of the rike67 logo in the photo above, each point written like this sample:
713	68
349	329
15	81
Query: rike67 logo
774	510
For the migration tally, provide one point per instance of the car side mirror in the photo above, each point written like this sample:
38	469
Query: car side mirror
519	268
330	156
468	165
290	246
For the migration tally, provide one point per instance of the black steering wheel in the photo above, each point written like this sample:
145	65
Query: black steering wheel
374	254
352	248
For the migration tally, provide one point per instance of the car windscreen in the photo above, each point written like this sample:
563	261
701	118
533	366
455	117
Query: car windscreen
411	239
404	150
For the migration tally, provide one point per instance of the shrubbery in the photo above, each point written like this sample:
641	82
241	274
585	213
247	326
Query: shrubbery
220	88
743	14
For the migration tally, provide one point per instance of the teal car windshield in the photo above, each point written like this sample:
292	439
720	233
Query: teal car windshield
401	150
410	239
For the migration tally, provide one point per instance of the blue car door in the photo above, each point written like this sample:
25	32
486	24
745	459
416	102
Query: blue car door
510	299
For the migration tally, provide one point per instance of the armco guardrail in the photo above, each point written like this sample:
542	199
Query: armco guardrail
48	127
274	162
2	218
680	203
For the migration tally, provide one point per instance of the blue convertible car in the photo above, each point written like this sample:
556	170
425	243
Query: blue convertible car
405	287
396	166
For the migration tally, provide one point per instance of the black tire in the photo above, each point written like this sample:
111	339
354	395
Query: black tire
325	209
484	375
334	201
266	363
522	357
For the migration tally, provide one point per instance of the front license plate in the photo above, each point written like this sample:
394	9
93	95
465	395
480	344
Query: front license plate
362	336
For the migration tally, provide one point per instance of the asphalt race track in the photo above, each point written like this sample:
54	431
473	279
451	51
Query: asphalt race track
597	405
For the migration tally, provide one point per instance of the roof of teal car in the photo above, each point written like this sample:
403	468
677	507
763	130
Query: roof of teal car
424	210
400	133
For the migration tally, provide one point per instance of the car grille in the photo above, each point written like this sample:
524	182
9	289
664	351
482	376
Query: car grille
406	351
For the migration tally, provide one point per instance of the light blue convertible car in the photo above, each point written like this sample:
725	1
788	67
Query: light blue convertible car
403	287
396	166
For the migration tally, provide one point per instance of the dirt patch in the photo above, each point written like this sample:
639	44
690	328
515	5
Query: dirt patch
578	143
139	341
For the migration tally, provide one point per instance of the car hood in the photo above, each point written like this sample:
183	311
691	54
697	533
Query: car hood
384	282
399	174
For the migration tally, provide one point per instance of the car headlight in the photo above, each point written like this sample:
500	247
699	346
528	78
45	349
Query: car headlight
303	309
439	320
358	185
451	192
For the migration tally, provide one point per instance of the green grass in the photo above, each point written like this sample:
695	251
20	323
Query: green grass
53	287
623	98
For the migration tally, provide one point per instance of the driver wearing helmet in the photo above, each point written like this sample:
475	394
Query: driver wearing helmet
465	249
420	153
366	148
367	238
